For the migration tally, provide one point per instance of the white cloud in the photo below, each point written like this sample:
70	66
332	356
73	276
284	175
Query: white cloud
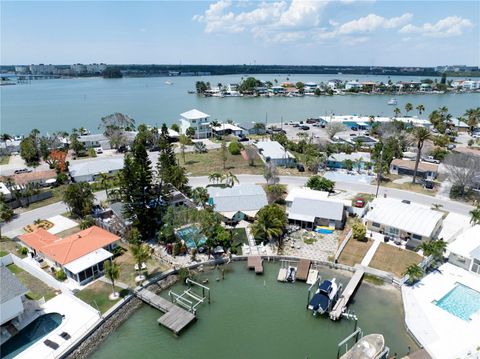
372	22
447	27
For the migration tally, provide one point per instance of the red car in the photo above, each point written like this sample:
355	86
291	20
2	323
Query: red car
359	202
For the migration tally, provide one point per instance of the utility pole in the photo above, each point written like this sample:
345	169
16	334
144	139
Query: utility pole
379	172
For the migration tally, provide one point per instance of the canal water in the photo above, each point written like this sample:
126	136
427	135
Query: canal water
254	316
63	104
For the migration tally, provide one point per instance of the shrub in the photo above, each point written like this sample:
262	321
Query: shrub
319	183
92	153
359	231
60	275
234	148
23	251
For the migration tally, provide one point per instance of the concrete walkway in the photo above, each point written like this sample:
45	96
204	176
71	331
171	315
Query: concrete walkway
371	252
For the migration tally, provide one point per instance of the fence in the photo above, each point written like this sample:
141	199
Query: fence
24	202
342	246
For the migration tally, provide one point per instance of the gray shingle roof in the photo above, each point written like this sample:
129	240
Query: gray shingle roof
243	197
10	286
304	207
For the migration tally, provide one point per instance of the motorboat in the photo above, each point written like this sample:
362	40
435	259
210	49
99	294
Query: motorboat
324	297
392	102
168	83
291	274
371	346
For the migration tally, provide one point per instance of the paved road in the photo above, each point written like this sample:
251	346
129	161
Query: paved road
295	181
292	181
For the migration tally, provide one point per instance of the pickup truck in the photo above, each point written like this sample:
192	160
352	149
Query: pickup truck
430	159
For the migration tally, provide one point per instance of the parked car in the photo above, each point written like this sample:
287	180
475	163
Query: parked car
354	128
300	167
451	146
305	128
359	202
22	170
99	150
296	124
429	184
430	159
243	139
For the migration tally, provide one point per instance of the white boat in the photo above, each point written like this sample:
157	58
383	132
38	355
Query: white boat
168	83
392	102
324	297
291	274
369	347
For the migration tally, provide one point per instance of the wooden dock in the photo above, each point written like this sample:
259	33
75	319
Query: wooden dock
342	302
303	269
175	318
255	262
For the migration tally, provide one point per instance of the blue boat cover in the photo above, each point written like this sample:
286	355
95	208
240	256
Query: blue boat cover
325	287
320	301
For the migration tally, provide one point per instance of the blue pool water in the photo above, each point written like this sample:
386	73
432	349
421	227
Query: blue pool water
190	232
461	301
30	334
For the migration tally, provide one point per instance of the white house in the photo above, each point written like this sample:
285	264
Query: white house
465	250
228	129
198	121
274	153
404	219
11	296
89	170
353	85
308	208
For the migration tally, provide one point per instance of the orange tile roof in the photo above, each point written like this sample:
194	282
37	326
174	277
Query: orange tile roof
24	178
68	249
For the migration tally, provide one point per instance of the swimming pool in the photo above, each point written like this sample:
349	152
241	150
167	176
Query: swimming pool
30	334
461	301
187	234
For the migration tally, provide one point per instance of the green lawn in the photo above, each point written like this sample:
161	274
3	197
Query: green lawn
394	260
57	196
239	238
37	289
4	160
3	253
96	295
202	164
9	246
354	252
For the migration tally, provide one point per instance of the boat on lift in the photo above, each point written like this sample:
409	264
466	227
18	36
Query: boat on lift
291	274
392	102
371	346
323	299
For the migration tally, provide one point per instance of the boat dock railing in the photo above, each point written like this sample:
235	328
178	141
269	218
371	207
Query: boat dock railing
341	305
358	333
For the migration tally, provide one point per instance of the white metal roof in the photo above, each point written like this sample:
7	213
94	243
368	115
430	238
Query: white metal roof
227	126
354	156
88	260
302	192
466	242
273	149
94	167
310	209
194	114
409	217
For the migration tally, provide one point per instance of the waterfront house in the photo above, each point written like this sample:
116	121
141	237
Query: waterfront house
228	129
90	170
274	153
404	219
357	159
80	255
12	294
237	203
427	171
465	250
353	86
307	208
198	120
95	140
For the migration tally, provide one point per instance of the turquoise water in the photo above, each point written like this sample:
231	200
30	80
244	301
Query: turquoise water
190	232
62	104
254	316
461	301
30	334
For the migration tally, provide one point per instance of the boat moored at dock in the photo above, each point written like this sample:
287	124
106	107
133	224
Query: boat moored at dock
324	298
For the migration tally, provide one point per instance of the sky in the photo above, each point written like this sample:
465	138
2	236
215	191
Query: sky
296	32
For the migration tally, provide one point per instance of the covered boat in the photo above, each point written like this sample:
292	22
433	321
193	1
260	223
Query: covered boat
369	347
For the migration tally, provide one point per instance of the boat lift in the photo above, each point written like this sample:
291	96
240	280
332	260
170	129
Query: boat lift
283	271
189	299
315	285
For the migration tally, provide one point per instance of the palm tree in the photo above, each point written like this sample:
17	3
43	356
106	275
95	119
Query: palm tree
397	111
141	252
433	248
112	271
200	196
104	181
475	216
420	135
420	108
414	273
184	141
408	107
215	177
269	223
231	179
473	118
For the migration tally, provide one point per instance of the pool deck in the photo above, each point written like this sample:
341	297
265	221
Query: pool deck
442	334
79	318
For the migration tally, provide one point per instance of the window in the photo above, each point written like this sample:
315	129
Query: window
393	231
416	236
476	266
375	224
